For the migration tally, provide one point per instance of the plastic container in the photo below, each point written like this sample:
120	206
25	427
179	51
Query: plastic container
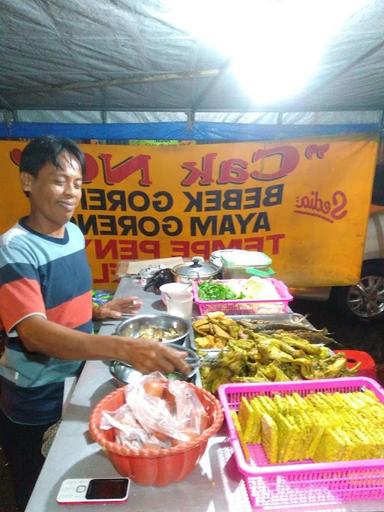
238	264
246	306
173	290
181	306
367	366
302	483
155	466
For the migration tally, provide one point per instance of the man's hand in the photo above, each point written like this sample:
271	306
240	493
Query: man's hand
117	307
148	356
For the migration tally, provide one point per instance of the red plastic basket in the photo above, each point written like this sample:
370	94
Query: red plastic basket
155	466
306	482
246	306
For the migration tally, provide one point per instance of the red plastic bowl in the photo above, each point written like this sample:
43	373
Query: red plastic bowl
155	466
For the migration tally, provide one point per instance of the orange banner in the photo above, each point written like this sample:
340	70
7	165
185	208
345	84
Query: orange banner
305	203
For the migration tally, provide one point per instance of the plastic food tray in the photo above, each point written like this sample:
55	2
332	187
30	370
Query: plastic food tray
246	306
302	483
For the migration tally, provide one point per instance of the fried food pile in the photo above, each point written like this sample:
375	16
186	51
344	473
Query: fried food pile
257	351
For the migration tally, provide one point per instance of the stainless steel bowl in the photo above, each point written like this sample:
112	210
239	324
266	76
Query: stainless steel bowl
147	326
124	373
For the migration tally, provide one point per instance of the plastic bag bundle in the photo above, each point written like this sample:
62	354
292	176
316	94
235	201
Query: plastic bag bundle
158	413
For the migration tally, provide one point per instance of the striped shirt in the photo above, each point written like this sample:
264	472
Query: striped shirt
50	277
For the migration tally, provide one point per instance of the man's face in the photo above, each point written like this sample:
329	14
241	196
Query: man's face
55	192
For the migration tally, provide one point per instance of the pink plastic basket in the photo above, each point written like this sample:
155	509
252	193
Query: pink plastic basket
246	306
306	482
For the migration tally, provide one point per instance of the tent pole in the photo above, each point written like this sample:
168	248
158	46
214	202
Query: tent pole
190	120
211	83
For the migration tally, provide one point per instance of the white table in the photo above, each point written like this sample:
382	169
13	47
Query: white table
213	486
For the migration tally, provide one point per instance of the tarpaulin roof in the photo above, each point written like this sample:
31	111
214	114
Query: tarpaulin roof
125	61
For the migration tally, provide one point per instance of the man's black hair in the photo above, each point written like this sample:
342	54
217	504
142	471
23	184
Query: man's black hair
47	149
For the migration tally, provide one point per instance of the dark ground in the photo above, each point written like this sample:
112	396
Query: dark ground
351	334
7	503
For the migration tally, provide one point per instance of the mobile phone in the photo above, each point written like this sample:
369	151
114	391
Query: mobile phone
93	490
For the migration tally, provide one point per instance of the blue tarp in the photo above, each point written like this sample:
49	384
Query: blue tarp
200	131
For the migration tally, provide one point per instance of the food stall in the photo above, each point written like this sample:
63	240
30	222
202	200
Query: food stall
271	186
214	485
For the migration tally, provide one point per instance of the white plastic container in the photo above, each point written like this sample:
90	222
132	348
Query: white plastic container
238	264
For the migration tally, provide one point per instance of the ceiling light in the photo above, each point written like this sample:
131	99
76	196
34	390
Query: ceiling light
274	47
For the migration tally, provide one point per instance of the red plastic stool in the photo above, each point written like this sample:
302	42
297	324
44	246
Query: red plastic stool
367	367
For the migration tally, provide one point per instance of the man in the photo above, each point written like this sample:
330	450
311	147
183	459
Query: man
46	309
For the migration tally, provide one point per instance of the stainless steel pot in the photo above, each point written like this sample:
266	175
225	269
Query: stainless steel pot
197	269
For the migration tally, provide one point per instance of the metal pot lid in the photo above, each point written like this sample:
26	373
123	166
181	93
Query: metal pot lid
197	268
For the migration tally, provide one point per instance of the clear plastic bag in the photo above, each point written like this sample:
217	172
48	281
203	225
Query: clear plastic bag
157	413
189	411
